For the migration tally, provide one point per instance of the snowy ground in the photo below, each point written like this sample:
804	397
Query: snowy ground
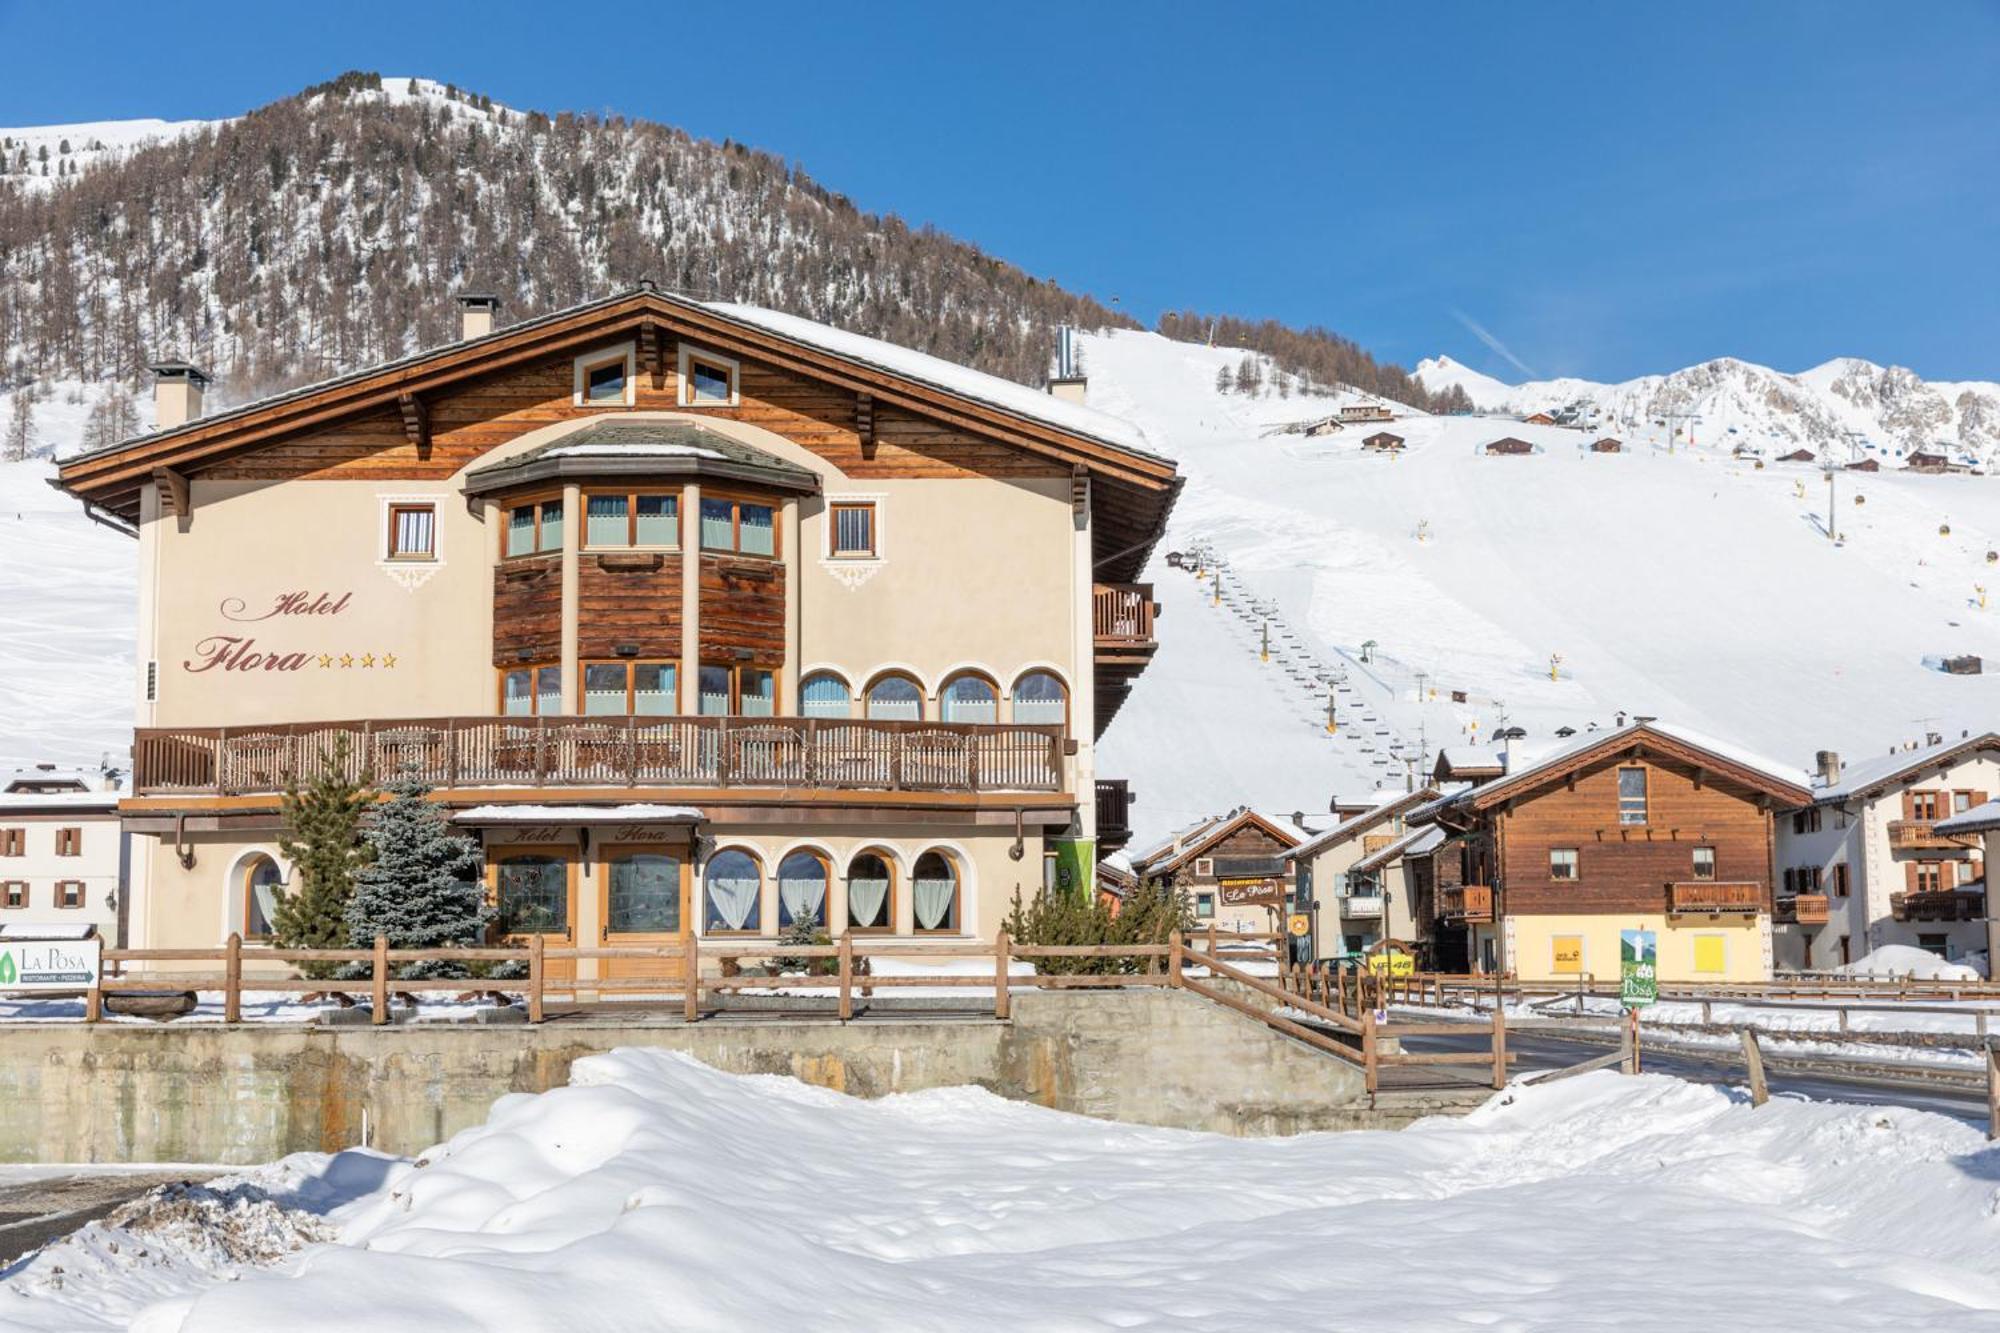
655	1192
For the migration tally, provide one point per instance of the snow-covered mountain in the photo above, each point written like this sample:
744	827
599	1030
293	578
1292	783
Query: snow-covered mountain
1848	408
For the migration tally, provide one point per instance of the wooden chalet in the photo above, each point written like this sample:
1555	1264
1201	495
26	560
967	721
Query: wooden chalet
1233	868
1383	442
1607	445
1508	445
1538	419
689	611
1865	465
1799	456
1644	827
1352	875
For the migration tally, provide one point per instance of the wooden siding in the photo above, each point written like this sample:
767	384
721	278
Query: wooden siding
743	606
630	600
527	610
1625	868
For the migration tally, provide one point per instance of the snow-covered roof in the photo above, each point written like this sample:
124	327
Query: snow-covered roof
580	814
1745	759
1413	843
1981	818
1386	803
1862	775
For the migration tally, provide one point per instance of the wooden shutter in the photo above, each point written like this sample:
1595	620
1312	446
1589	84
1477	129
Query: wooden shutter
1910	876
1947	874
1909	804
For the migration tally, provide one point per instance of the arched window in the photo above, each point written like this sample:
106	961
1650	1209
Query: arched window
869	903
969	698
823	694
1039	699
733	884
895	698
802	880
261	878
934	892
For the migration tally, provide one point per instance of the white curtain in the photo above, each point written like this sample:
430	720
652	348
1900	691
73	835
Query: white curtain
865	896
733	898
803	893
933	896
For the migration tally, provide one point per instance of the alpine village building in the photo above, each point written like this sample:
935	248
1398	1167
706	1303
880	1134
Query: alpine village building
701	617
1642	827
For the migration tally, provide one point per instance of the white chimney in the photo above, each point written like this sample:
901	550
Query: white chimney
477	311
177	388
1069	382
1829	767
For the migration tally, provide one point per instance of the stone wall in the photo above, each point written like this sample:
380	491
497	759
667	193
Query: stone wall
121	1092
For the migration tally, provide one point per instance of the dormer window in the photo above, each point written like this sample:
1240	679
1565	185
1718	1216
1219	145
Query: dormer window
708	380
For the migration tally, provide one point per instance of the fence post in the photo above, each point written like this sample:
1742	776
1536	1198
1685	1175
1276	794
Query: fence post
1499	1048
1992	1094
380	974
1369	1055
1001	953
691	981
232	980
1211	939
535	974
1753	1059
1707	1013
847	974
1174	960
1628	1041
1841	1014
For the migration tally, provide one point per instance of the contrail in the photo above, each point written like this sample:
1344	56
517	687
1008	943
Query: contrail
1494	344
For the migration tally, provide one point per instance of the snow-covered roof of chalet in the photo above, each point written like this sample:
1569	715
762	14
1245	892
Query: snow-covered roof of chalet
76	789
1413	843
1192	839
624	446
1777	779
580	814
1981	818
1386	803
1878	773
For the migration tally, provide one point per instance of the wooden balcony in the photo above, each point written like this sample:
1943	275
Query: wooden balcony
1122	617
1939	905
1465	902
1914	835
455	753
1114	814
1361	906
1802	909
1715	896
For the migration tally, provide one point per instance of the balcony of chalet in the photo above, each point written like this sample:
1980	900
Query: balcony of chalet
1465	903
620	753
1114	814
1361	906
1939	905
1715	897
1122	617
1802	909
1921	835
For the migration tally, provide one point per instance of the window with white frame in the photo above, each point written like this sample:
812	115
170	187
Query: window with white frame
604	378
412	532
1562	863
1040	700
824	694
851	530
708	379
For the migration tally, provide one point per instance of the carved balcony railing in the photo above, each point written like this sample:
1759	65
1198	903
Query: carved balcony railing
1122	614
1465	902
617	752
1938	905
1720	896
1914	835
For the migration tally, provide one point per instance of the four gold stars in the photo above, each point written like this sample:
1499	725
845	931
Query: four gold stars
346	661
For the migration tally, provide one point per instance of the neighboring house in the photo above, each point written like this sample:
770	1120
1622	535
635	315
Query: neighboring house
1983	823
1865	465
1865	863
1799	456
63	856
1508	444
1646	826
1383	442
700	617
1366	412
1232	867
1468	763
1324	426
1539	419
1607	445
1115	882
1353	876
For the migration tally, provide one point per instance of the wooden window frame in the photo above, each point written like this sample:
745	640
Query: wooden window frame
1935	800
571	857
736	670
1068	703
13	842
831	674
631	665
621	356
245	874
1646	797
608	852
1575	864
63	888
535	501
736	500
397	508
923	700
888	902
14	894
970	673
778	889
631	498
957	913
69	841
1694	862
763	882
833	547
690	357
533	669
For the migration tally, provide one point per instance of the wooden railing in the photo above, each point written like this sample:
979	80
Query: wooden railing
1938	905
1708	895
1353	999
1123	612
1920	834
1114	813
1466	902
626	752
1805	909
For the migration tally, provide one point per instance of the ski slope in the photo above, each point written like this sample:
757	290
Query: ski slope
1687	585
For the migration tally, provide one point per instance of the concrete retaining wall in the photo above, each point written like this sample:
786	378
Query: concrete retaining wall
129	1093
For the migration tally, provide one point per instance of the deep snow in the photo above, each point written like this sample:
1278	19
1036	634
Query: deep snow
655	1192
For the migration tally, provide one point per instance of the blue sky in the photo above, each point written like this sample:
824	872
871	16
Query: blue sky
1584	189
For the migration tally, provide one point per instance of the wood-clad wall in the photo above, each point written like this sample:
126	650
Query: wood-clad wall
498	408
743	606
629	600
1625	867
527	610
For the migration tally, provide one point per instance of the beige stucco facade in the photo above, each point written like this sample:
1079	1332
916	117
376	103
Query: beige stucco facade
1722	948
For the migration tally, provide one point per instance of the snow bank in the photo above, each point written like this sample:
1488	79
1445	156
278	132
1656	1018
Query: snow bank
656	1192
1903	960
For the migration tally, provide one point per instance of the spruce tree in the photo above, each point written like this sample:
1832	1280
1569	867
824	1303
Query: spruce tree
322	840
422	888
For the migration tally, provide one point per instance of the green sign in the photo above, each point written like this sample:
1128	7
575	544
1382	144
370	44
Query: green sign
49	964
1076	865
1638	968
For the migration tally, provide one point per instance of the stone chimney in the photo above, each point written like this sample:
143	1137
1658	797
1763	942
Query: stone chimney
177	388
477	311
1829	767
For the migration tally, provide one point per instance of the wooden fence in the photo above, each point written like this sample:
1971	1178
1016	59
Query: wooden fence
1342	1022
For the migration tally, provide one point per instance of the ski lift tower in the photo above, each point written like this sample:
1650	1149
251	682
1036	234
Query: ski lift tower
1674	414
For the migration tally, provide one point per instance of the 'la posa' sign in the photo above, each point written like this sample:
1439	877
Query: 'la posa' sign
49	964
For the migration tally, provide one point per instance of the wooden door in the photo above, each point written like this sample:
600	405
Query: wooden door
643	901
534	891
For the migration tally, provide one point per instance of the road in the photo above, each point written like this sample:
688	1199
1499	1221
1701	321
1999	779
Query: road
1542	1051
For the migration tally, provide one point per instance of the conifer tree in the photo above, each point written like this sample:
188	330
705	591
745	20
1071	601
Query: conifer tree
421	888
20	439
322	839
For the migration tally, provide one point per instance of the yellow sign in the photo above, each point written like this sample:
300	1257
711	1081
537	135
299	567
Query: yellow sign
1568	955
1393	963
1299	924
